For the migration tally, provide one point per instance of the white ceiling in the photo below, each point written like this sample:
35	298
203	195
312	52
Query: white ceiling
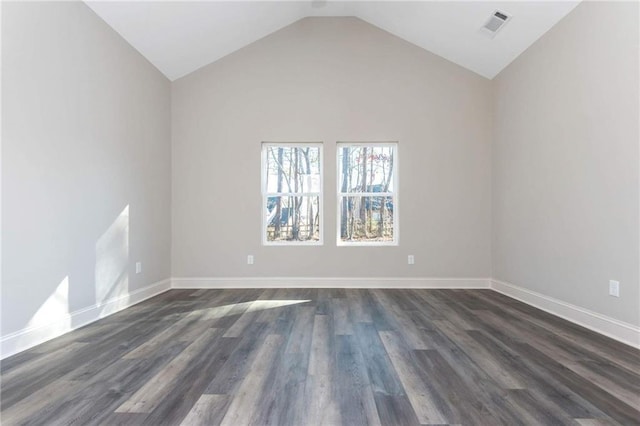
181	36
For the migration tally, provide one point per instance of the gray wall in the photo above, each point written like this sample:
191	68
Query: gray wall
332	79
565	155
85	133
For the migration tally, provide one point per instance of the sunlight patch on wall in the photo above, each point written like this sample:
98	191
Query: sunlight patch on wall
54	312
112	261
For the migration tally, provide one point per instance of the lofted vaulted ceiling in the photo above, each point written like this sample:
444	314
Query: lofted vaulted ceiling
182	36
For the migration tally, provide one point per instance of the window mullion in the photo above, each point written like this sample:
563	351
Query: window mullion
292	194
366	194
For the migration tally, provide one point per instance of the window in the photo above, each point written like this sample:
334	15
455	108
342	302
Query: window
367	194
291	193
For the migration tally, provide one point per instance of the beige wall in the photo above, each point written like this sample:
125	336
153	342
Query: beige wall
85	133
87	128
331	79
565	155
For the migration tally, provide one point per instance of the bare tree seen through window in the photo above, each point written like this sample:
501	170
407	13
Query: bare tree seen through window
292	192
367	193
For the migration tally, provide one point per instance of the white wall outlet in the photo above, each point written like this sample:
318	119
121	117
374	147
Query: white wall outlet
138	267
250	259
614	288
411	260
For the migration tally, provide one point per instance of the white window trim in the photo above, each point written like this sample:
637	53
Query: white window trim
395	195
265	194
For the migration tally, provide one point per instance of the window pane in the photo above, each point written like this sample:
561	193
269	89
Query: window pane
292	169
365	219
366	168
293	218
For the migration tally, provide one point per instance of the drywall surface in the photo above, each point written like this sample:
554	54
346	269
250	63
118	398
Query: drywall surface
565	162
328	80
85	165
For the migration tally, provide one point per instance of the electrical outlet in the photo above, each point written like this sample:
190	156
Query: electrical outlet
411	260
138	267
614	288
250	259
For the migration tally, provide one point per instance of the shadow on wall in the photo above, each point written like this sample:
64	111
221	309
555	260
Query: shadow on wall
111	284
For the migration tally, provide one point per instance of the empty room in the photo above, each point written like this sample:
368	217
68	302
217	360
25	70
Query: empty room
320	213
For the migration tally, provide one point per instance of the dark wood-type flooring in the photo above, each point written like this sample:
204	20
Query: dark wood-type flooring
325	356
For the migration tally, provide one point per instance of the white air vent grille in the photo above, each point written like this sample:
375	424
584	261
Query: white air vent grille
495	22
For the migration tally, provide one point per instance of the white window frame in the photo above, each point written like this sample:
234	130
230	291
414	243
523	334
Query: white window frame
266	195
394	195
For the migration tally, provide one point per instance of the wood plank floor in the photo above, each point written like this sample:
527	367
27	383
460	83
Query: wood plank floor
325	356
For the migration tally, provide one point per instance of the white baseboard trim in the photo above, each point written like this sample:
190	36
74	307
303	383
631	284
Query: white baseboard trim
611	327
28	337
327	282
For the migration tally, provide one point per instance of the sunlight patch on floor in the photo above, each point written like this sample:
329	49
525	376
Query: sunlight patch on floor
238	308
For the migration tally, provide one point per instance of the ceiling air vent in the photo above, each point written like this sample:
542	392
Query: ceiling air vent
495	22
